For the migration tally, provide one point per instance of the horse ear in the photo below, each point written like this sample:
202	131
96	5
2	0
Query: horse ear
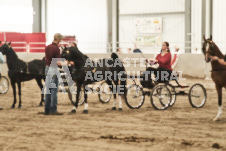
204	37
0	42
211	37
9	43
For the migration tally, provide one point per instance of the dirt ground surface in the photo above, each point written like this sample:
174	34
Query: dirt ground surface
178	128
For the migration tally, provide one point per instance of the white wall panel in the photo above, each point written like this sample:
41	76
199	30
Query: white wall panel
173	32
172	13
16	2
86	19
150	6
219	24
16	16
196	25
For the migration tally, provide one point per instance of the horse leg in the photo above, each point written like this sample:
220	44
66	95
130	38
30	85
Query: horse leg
119	96
39	82
112	90
19	92
220	109
85	111
123	94
119	103
13	84
77	98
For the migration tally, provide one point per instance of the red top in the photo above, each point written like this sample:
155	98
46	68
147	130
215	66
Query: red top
52	51
164	61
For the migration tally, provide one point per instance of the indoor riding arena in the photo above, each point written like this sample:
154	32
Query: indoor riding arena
95	75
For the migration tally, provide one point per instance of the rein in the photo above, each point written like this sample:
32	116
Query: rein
217	70
21	71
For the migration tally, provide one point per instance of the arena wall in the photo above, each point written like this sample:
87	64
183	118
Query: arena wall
190	64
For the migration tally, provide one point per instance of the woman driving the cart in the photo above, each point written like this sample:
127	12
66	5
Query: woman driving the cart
163	72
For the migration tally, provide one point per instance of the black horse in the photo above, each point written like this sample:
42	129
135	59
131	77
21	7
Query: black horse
111	70
20	71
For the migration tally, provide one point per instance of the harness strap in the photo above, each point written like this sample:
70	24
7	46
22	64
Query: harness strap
217	70
27	67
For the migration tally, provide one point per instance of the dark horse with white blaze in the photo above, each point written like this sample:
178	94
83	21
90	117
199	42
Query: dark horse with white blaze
218	70
84	72
20	71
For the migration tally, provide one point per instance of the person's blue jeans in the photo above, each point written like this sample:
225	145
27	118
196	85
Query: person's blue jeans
51	93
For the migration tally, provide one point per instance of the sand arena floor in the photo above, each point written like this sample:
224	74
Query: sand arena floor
178	128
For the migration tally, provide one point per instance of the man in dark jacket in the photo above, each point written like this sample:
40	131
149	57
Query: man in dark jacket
52	51
136	50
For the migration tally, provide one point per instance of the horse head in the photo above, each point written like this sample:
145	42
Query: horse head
65	53
210	49
5	48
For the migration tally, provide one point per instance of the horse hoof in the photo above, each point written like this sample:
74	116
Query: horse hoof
40	104
216	119
119	109
113	108
19	107
85	111
12	107
73	111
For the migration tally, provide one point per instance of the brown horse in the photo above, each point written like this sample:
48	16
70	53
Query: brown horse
218	71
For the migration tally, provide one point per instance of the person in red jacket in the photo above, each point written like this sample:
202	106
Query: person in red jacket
164	60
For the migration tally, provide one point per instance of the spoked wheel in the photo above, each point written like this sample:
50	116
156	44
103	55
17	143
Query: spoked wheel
72	96
197	96
4	85
173	97
160	97
104	93
135	97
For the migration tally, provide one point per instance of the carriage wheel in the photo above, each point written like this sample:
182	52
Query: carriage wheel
72	96
4	85
135	97
197	96
104	93
173	97
160	97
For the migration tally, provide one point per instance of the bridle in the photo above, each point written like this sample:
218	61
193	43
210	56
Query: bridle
211	53
211	46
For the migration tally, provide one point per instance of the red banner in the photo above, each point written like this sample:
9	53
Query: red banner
23	42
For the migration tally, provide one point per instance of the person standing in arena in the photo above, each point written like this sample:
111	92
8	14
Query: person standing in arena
2	60
52	51
136	50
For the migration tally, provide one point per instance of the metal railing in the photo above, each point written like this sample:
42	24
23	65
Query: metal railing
29	47
103	47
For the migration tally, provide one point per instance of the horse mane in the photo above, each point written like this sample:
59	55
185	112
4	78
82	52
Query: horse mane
13	61
78	57
13	54
217	50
